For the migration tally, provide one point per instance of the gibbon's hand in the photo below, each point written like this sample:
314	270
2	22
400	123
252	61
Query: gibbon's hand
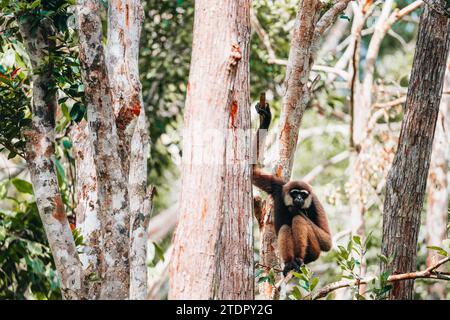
264	114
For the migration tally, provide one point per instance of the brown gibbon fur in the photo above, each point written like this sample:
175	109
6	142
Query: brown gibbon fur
300	220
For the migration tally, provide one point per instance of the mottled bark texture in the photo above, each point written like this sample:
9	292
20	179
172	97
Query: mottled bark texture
40	156
140	210
113	101
440	6
213	245
438	197
407	177
87	220
310	24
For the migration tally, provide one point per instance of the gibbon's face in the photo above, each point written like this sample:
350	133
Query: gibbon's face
297	198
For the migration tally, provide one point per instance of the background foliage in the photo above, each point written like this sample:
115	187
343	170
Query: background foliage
26	267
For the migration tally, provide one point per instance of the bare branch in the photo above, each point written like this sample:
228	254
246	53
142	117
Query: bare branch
390	104
330	16
320	168
163	223
428	273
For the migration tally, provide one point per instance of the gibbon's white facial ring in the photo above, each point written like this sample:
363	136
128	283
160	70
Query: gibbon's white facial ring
298	197
307	203
288	201
304	194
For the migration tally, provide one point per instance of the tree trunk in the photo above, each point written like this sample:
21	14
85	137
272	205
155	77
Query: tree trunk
114	102
118	176
40	154
306	37
437	216
87	220
407	177
140	209
213	245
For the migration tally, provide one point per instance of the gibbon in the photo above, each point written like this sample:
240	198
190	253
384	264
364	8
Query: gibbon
300	220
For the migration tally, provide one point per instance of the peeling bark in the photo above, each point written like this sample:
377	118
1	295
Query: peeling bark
140	209
40	156
212	231
86	210
111	180
407	177
124	29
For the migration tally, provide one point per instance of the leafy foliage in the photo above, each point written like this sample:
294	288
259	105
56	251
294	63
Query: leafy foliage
14	102
305	285
26	265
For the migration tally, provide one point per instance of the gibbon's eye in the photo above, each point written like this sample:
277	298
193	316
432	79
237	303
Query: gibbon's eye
304	194
294	193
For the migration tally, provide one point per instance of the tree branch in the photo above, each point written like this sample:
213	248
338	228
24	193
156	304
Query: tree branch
428	273
330	16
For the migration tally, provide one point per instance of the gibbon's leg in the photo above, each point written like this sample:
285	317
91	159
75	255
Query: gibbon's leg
300	235
313	249
286	248
320	226
309	239
323	236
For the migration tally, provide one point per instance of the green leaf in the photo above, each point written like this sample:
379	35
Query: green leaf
77	112
296	294
65	110
439	250
22	186
258	272
159	252
357	240
314	283
359	297
262	279
93	277
11	155
383	258
385	289
60	171
67	144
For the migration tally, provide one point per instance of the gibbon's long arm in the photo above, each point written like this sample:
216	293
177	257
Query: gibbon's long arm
264	181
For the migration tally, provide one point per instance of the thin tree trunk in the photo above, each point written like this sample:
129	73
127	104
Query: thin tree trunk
438	197
113	106
40	155
87	220
140	209
213	246
306	37
407	177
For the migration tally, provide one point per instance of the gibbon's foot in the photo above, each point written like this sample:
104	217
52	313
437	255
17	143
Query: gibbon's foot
289	266
295	265
299	262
